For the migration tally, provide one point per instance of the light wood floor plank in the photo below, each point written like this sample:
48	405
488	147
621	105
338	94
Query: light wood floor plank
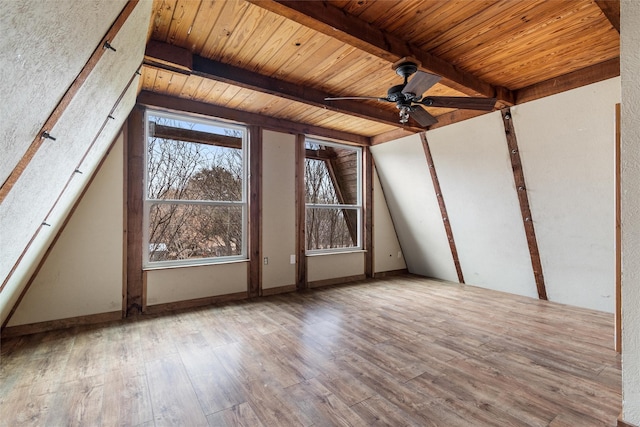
398	351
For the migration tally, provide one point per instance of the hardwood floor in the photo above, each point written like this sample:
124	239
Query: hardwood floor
396	351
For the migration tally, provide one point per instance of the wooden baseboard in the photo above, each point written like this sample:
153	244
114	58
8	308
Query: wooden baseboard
336	281
34	328
279	290
382	274
192	303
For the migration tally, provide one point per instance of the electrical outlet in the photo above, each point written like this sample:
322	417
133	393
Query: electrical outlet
266	260
399	254
292	259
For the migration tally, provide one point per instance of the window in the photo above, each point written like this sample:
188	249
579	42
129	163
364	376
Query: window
195	207
333	196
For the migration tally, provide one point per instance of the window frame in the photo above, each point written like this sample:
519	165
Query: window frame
359	246
147	203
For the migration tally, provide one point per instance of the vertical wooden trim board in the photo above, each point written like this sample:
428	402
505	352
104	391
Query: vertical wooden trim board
523	199
367	189
66	100
255	211
443	207
618	324
301	259
135	189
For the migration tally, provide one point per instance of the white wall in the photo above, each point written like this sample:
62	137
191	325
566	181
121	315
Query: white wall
186	283
332	266
630	201
567	147
474	169
278	209
43	48
83	273
386	246
408	189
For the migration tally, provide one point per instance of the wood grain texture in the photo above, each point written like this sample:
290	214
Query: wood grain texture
403	350
523	199
300	50
134	205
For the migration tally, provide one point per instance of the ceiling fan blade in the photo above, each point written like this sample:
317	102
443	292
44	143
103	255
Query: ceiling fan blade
420	82
463	102
373	98
421	116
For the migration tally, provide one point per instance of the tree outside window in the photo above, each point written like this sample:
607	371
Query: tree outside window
333	196
195	190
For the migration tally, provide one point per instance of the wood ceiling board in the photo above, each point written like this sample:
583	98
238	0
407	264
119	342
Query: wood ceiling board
229	96
184	14
557	59
246	38
489	23
230	17
551	29
507	27
332	21
204	22
161	15
443	19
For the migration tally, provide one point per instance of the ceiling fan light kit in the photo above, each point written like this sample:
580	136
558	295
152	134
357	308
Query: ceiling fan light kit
408	96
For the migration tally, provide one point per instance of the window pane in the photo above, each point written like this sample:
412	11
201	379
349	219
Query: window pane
183	231
319	186
331	174
331	228
179	168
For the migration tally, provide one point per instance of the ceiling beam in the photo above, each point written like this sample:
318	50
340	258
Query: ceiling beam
152	99
611	9
335	23
176	59
589	75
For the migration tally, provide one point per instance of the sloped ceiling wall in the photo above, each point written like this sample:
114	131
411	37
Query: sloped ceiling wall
47	44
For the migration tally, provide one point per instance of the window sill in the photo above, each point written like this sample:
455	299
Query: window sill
195	264
337	252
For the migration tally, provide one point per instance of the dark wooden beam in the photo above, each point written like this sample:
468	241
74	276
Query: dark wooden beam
190	106
618	190
611	9
134	202
210	69
367	212
334	22
190	135
585	76
523	199
255	211
66	99
301	215
443	207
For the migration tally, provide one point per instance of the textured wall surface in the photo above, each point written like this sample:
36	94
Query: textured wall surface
408	189
567	147
630	179
386	247
81	138
44	45
474	170
82	275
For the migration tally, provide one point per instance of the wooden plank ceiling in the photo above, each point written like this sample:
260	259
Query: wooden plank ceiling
281	58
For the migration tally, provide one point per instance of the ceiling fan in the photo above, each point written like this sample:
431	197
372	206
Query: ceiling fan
409	100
